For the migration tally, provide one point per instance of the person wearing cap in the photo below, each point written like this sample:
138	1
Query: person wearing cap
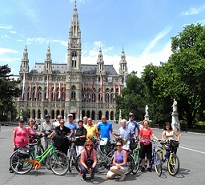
46	129
131	124
19	137
71	124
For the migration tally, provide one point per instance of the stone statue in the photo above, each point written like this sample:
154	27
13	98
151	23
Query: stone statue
174	106
146	110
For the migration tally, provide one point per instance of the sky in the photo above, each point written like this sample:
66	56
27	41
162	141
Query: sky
142	27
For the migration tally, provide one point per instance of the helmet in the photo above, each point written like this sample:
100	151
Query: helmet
131	114
47	116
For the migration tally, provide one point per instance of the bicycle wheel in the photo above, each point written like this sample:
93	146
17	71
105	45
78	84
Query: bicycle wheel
18	163
158	163
59	163
137	162
173	164
71	160
131	163
39	150
77	162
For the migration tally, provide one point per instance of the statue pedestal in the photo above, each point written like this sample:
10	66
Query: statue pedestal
175	120
146	117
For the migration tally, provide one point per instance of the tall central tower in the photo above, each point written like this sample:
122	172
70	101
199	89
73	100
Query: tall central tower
73	72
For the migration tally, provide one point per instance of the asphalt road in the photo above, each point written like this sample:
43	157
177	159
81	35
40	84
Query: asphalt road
191	154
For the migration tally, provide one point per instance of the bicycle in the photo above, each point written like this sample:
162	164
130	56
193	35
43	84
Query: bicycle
24	159
167	153
72	153
156	160
135	152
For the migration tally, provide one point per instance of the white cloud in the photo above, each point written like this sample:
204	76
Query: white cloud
6	27
13	32
9	59
7	50
61	42
193	11
37	40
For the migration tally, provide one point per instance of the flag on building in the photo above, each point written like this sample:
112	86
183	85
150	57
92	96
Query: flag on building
36	91
60	91
54	91
30	91
125	85
23	86
47	93
120	90
93	87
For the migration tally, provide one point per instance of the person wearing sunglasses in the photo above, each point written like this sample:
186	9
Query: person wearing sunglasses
120	166
88	160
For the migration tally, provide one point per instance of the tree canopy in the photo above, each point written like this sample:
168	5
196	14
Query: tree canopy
8	91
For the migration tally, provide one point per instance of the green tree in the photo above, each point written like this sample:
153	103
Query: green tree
133	97
8	91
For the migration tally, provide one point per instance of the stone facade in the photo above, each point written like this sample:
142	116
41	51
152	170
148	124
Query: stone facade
80	89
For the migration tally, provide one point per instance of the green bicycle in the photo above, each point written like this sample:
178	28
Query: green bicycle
136	156
24	159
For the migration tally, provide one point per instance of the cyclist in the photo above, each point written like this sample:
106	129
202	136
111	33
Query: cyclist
46	129
120	166
31	131
57	122
71	124
146	145
80	135
88	160
58	135
126	133
105	128
19	137
133	125
169	134
85	120
92	130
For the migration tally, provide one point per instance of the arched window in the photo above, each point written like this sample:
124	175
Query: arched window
33	113
88	114
73	92
52	114
74	57
93	115
63	94
107	115
83	113
112	115
100	115
45	112
39	114
39	94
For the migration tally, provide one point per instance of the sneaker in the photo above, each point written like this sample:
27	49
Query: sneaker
143	169
149	169
83	179
92	180
122	178
10	170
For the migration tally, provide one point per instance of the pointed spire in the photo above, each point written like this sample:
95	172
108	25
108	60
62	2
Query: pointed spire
48	53
25	54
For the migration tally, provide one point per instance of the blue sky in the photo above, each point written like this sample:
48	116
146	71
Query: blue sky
142	27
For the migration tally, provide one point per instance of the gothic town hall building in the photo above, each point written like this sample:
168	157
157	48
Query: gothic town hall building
80	89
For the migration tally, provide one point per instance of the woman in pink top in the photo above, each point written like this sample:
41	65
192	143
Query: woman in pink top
145	145
19	137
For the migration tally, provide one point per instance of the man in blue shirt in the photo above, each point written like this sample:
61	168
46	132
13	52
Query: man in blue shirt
133	125
105	128
126	134
71	124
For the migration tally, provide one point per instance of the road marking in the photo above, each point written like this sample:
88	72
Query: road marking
193	150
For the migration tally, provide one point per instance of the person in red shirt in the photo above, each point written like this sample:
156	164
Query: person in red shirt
146	145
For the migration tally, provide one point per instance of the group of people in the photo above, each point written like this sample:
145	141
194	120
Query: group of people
84	130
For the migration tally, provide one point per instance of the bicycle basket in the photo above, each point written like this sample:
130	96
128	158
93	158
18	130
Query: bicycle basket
174	144
57	140
23	153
